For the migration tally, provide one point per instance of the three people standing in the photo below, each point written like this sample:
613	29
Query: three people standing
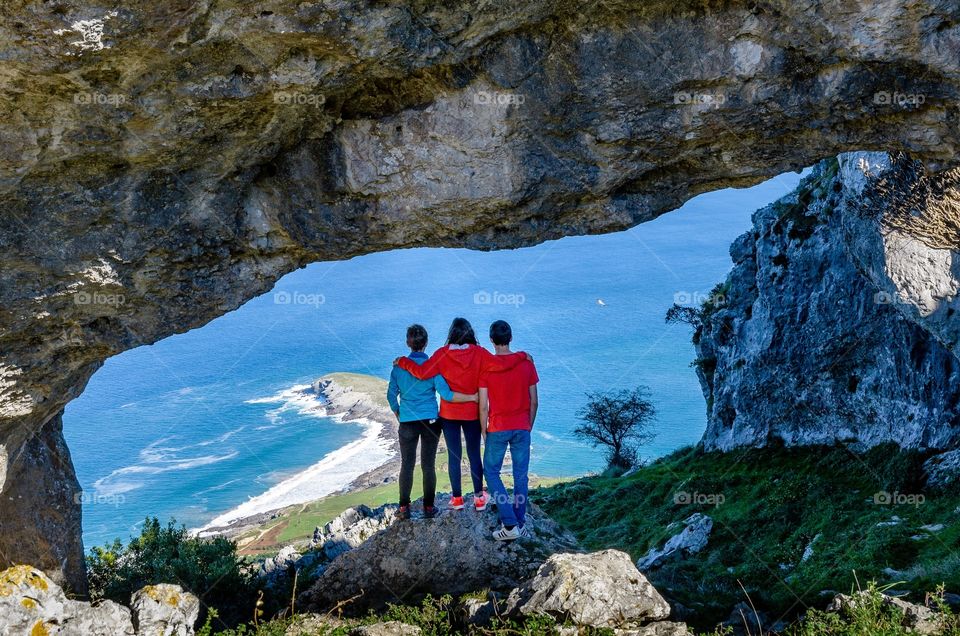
455	371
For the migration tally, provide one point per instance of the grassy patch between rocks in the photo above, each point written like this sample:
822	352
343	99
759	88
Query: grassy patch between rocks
856	516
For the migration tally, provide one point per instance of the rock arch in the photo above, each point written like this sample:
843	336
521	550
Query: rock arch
164	162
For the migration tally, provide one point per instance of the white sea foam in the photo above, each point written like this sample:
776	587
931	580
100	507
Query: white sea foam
216	488
157	461
298	393
222	438
331	474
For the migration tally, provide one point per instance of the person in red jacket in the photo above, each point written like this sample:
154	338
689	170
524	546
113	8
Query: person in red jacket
460	362
508	409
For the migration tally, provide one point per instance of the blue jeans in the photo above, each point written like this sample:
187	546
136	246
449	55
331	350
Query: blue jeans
512	512
451	435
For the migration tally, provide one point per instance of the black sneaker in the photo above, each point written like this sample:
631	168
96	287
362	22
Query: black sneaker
429	512
403	513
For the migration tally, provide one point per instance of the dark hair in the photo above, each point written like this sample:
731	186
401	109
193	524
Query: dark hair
461	333
501	333
416	337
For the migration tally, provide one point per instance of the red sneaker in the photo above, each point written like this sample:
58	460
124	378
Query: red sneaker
456	503
429	512
403	513
480	503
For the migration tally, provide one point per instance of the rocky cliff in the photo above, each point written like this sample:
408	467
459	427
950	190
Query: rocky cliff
799	346
164	162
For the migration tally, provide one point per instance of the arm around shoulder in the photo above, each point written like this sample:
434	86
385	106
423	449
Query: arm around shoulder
423	371
440	386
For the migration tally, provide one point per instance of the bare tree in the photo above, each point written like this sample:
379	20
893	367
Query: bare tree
619	420
680	314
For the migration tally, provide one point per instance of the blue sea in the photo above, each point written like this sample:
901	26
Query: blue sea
199	423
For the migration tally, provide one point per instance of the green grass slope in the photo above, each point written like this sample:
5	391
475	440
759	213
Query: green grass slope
768	505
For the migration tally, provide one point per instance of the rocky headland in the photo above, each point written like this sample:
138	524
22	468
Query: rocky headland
351	398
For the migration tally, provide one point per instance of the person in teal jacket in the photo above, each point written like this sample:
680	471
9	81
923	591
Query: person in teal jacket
417	411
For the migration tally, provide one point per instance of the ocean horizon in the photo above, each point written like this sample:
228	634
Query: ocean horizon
201	424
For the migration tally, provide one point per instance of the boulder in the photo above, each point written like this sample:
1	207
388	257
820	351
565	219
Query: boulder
313	624
602	589
390	628
451	554
164	610
476	611
745	620
31	603
690	540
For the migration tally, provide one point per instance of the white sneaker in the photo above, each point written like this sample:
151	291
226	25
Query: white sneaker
507	535
524	532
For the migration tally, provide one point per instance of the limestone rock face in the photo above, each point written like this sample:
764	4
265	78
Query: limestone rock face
451	554
800	347
163	162
40	509
275	568
601	589
902	229
31	603
351	528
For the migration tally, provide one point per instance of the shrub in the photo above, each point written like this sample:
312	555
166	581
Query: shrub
208	568
871	615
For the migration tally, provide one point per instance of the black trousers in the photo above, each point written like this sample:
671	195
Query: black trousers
427	433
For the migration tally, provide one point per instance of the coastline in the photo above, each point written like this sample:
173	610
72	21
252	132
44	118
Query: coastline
372	460
355	397
288	512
